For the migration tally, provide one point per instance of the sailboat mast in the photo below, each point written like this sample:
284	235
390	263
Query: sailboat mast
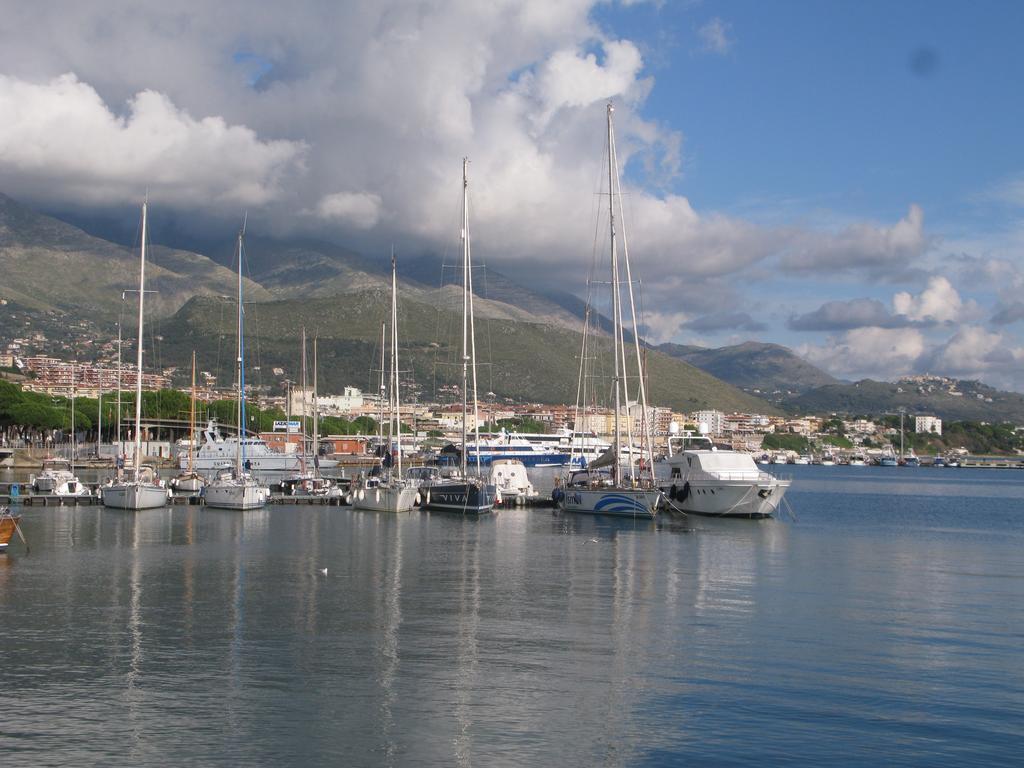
383	389
192	420
239	454
394	362
120	317
616	309
99	419
302	418
316	411
74	441
465	305
137	459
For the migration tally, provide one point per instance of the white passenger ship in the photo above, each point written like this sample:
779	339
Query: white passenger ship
216	451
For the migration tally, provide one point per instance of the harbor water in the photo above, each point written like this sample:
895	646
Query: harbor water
883	625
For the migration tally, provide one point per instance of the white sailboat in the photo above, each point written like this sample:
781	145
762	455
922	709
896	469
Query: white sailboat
465	494
190	481
388	491
607	486
235	487
138	486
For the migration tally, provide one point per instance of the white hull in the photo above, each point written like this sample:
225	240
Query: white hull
621	502
385	499
719	498
188	484
72	489
236	494
134	496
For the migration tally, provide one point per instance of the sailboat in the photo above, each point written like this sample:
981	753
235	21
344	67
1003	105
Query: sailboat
387	491
190	481
464	494
137	487
607	486
308	481
235	487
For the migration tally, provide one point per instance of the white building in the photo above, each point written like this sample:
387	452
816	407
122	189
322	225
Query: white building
349	400
713	420
928	425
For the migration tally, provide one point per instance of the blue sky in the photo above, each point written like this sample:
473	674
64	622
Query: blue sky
844	178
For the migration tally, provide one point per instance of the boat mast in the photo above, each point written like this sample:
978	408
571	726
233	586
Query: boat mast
120	317
239	454
99	417
137	459
74	441
316	416
192	420
383	389
396	414
465	306
648	448
616	309
305	392
472	336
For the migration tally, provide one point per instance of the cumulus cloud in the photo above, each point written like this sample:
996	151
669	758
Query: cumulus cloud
844	315
938	302
868	352
973	352
361	210
715	36
859	246
1008	313
59	136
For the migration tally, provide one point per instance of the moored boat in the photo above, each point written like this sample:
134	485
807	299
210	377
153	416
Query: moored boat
8	525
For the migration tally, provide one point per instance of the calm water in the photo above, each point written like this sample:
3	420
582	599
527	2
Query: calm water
883	626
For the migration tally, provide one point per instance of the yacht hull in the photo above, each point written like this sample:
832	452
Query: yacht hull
235	495
620	502
460	497
134	496
385	499
727	499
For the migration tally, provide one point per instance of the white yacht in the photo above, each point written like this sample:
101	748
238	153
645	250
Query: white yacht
628	491
57	478
464	495
721	483
387	491
511	481
217	450
235	487
137	487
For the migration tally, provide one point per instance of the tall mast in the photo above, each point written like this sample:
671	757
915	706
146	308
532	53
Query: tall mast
472	339
99	416
74	440
192	420
383	389
302	418
648	450
239	457
465	306
316	413
137	459
616	309
394	361
120	317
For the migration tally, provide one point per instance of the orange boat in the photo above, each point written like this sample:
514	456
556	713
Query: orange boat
8	525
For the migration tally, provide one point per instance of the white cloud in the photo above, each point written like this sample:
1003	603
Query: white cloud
715	36
974	352
938	302
868	352
60	137
859	246
361	210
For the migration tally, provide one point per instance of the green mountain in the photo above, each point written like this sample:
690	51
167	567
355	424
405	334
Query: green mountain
949	399
521	361
769	370
50	266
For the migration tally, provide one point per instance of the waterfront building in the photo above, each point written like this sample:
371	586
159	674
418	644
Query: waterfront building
927	425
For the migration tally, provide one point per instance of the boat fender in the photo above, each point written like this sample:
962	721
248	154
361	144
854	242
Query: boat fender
417	501
348	499
427	498
684	494
376	497
672	492
497	498
362	494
